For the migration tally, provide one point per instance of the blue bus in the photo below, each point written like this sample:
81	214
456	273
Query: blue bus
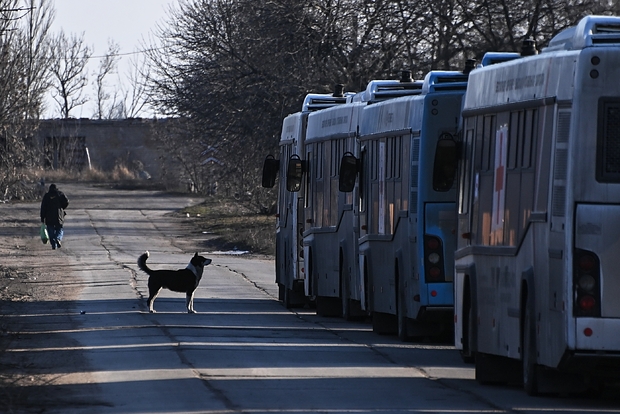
536	283
407	206
289	217
331	231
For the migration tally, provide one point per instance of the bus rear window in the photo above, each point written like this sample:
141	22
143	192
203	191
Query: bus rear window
608	145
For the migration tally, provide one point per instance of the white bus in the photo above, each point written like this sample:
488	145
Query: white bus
537	276
332	226
289	216
407	207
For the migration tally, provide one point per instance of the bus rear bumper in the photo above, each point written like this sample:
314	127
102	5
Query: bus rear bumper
594	364
597	334
436	314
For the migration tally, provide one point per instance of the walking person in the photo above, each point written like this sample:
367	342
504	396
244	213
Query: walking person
53	214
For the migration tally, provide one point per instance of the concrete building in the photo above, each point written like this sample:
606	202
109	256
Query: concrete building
79	143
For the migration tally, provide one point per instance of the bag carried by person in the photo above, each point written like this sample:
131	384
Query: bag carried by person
44	236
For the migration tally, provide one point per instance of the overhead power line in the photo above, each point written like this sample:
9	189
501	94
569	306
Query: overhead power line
127	53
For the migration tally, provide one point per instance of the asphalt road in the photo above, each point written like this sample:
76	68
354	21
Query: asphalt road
100	351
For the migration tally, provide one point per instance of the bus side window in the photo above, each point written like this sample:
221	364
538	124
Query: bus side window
348	172
445	165
307	192
294	173
363	180
466	172
488	134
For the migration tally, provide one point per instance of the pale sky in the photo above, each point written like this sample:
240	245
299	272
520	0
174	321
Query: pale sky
126	22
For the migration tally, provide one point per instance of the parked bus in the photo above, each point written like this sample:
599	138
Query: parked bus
332	226
289	217
536	278
407	207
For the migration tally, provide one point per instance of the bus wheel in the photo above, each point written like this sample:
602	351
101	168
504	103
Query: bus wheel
530	368
401	314
287	298
467	353
384	323
344	292
328	306
295	297
403	330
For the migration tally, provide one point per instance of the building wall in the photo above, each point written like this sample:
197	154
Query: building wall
108	141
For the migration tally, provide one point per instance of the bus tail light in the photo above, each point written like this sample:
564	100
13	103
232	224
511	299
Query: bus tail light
586	283
433	259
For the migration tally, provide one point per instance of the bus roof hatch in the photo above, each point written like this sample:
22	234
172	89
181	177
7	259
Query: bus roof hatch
591	31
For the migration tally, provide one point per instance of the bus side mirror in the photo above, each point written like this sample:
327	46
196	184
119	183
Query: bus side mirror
348	172
446	163
270	171
294	173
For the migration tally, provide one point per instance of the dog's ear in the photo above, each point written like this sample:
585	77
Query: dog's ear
196	254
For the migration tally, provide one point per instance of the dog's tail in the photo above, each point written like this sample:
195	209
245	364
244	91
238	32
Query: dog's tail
142	263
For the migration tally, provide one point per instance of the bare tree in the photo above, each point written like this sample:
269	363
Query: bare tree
135	94
502	25
235	68
36	41
107	66
68	67
24	55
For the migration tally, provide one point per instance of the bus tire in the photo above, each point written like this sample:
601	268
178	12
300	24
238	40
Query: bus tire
468	353
346	308
287	298
403	332
530	368
344	291
328	306
401	312
384	323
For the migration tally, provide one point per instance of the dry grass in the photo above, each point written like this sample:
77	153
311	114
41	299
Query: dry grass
118	173
231	226
227	224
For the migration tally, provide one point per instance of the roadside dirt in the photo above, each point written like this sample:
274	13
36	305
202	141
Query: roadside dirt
29	280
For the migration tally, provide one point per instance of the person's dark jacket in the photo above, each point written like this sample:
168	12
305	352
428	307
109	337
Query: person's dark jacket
53	207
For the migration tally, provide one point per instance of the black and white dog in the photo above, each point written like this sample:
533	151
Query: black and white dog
182	280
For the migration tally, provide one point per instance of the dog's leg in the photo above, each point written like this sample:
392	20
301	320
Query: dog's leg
152	295
189	302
